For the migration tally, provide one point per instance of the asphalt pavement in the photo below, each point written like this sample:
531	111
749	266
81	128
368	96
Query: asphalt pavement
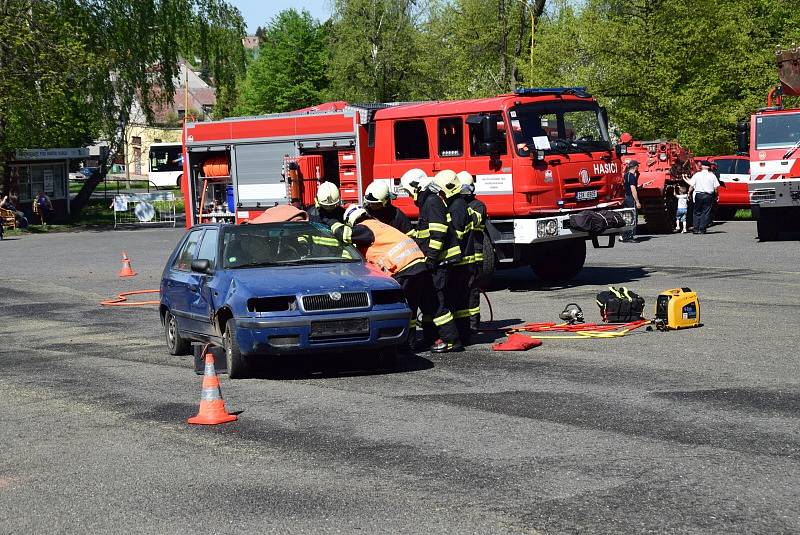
682	432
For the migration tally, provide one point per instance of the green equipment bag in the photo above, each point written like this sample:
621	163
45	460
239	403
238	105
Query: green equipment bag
620	305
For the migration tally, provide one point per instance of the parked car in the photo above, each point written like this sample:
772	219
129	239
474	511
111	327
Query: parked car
733	172
274	289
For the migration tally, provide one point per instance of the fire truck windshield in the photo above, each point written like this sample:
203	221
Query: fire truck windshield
777	131
569	127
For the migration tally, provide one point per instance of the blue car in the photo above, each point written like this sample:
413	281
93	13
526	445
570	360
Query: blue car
275	289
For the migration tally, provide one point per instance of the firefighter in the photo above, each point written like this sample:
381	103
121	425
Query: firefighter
378	202
327	205
478	217
461	254
434	237
395	253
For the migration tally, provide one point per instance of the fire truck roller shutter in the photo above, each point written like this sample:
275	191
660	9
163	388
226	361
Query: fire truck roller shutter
258	173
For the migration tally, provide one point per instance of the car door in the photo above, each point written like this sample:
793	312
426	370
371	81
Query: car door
179	279
202	286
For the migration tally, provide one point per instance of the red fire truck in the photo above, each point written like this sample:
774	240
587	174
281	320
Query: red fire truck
538	155
774	140
662	166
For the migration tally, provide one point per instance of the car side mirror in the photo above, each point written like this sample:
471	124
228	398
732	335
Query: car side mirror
201	266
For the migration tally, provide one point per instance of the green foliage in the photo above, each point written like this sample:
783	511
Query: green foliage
373	48
70	70
289	71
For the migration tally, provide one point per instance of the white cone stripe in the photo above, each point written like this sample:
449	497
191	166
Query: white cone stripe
210	394
210	370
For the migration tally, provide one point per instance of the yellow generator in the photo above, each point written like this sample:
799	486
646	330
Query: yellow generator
677	309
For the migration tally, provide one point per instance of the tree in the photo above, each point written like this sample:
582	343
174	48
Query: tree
373	49
289	70
81	78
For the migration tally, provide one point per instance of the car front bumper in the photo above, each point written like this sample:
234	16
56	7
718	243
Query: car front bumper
280	336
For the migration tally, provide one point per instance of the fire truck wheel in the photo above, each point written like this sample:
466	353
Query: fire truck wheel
238	367
558	261
176	344
767	226
489	262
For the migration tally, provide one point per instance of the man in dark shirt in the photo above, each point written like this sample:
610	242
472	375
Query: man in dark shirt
378	202
631	182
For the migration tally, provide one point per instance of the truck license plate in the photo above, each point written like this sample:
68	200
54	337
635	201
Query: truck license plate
586	195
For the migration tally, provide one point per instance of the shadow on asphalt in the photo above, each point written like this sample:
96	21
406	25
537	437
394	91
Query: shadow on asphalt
523	280
337	365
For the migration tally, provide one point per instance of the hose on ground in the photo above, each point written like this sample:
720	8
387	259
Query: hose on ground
121	300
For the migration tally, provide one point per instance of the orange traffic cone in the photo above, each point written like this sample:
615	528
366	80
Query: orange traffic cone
212	406
127	270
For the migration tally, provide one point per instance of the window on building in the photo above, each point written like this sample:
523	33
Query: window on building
451	137
136	140
411	140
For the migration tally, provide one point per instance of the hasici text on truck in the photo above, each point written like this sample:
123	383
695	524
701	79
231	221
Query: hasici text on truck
774	140
538	156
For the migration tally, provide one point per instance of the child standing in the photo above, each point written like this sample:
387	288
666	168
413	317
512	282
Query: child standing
683	207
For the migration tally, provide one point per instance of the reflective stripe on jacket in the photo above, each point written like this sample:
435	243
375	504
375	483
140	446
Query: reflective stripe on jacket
392	250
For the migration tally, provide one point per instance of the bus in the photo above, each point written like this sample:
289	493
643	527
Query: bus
166	165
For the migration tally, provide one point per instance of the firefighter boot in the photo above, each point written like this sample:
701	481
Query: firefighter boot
440	346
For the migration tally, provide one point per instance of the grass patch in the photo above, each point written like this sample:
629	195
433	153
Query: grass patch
743	214
97	213
112	185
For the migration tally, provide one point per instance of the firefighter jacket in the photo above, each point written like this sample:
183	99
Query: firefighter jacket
391	216
477	213
461	225
435	235
318	215
382	245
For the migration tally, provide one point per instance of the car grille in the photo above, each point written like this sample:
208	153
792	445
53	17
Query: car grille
762	195
326	302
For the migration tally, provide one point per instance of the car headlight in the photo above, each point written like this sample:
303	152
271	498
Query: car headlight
547	227
627	215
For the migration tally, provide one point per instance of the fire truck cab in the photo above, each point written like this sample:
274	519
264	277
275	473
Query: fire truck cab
538	155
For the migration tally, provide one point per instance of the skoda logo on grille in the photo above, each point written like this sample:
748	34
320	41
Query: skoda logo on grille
336	296
584	174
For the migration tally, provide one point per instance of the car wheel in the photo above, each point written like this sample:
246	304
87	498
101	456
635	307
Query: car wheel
176	344
238	367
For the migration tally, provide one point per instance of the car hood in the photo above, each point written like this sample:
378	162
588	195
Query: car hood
310	279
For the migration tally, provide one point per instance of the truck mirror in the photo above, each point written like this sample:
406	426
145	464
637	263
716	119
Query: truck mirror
604	116
743	137
620	149
489	129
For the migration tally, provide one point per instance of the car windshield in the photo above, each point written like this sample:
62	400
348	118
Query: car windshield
564	127
777	131
276	244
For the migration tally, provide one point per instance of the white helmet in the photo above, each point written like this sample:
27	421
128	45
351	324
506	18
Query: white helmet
328	195
353	213
378	193
446	181
414	181
467	182
465	177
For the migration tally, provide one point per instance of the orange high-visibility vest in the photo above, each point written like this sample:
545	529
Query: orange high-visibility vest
392	251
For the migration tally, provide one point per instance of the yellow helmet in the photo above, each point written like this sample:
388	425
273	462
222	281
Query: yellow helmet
377	193
414	181
446	181
353	213
328	195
